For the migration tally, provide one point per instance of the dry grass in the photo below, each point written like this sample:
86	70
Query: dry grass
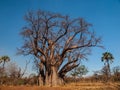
94	86
72	86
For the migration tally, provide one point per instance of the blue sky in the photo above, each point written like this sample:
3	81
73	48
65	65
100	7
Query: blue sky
103	14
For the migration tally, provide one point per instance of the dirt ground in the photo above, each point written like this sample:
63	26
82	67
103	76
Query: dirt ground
72	86
32	88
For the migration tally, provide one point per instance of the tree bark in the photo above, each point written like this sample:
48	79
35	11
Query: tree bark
47	79
55	79
41	81
41	76
108	67
54	76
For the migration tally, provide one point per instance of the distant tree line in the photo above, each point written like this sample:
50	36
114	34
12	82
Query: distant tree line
11	74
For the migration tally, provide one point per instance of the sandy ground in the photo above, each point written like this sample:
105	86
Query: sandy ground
32	88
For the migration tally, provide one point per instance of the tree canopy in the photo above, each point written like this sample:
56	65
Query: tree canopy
4	59
58	42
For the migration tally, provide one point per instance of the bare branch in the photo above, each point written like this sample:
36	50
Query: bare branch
69	68
67	65
23	73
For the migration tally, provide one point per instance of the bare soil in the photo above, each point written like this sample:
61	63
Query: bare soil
32	88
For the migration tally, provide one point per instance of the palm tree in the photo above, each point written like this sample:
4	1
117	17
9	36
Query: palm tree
4	59
107	58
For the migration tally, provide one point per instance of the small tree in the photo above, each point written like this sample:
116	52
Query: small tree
12	70
4	59
79	72
82	70
104	73
116	73
107	58
74	74
116	70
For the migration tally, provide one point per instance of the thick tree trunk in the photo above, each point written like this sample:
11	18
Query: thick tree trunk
51	80
41	76
41	81
47	79
55	79
50	77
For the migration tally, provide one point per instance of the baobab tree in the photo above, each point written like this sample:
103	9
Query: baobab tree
107	58
58	42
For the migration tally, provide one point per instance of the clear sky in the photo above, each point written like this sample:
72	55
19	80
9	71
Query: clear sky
103	14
